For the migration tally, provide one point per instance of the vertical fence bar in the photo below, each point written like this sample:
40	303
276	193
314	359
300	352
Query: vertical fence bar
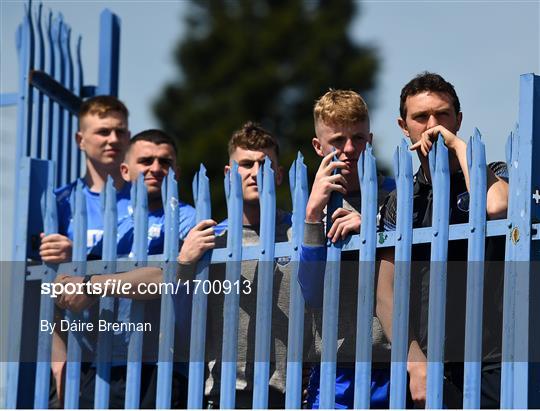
167	321
402	276
46	310
29	95
440	177
299	193
265	282
74	348
77	90
233	189
367	175
139	200
49	136
476	161
330	310
507	366
201	190
66	80
37	131
58	112
516	315
106	304
109	53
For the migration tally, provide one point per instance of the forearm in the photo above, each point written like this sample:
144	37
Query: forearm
139	280
385	291
312	264
459	147
497	196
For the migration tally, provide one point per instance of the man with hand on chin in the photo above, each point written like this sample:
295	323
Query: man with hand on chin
429	106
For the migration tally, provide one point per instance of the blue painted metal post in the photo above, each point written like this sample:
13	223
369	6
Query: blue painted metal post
476	160
167	322
233	188
139	200
67	136
201	191
440	177
109	53
46	311
106	305
37	130
263	323
507	366
402	276
74	348
367	175
525	182
299	193
330	311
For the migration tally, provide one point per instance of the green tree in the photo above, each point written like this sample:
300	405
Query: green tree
260	60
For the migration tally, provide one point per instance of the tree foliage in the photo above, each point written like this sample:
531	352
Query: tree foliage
260	60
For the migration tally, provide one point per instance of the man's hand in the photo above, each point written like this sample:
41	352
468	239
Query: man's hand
344	222
429	136
418	374
58	369
325	183
55	248
200	239
74	302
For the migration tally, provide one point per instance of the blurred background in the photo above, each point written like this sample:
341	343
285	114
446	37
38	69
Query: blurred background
200	69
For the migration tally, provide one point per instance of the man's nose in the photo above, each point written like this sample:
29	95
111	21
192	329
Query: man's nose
349	146
432	121
156	167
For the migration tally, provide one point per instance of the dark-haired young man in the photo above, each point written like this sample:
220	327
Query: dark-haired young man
429	105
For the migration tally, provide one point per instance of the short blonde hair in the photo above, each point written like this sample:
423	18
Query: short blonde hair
251	136
340	107
102	106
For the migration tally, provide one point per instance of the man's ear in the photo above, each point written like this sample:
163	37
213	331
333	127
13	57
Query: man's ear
124	171
226	169
459	119
79	139
403	126
317	146
279	175
370	139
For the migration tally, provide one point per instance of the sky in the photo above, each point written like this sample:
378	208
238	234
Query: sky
480	46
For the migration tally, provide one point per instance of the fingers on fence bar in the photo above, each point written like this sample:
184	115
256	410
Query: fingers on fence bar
46	311
367	173
201	194
233	187
400	318
263	323
299	194
74	349
139	200
330	310
440	176
476	161
167	322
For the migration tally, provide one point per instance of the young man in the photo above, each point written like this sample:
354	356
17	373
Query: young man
103	136
249	147
342	130
429	105
151	153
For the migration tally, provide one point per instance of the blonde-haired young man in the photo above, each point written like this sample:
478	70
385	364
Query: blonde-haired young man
342	130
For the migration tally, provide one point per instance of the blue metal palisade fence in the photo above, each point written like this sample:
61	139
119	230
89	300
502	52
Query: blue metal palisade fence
47	101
